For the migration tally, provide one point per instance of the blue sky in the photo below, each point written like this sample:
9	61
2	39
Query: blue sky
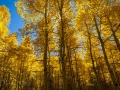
16	20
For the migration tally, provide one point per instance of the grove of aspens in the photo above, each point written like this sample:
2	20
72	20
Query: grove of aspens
64	45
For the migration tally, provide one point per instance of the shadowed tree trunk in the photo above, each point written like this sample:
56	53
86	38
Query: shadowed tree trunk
45	48
105	57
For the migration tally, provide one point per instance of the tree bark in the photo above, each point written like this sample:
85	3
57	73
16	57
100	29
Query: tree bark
45	49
